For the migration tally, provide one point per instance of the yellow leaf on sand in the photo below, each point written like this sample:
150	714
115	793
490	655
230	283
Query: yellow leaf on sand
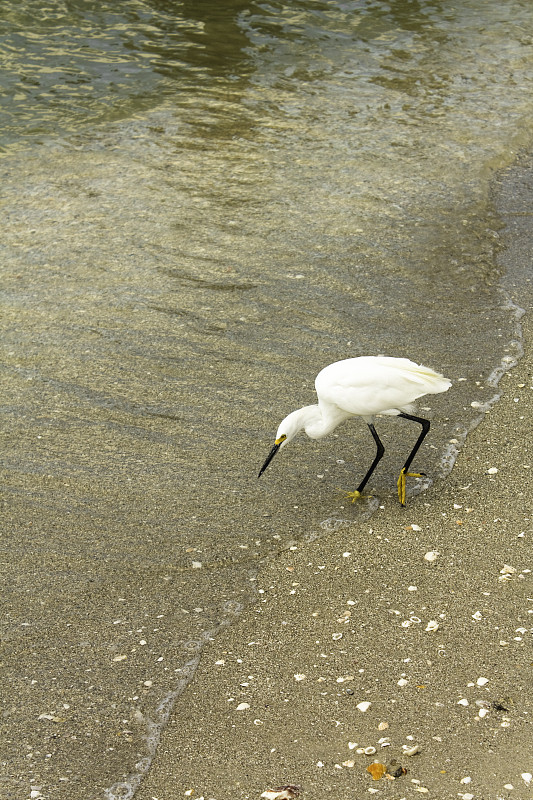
377	770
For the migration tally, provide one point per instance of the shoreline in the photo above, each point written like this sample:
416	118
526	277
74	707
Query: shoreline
422	613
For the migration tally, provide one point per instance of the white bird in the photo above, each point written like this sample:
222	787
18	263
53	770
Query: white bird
364	387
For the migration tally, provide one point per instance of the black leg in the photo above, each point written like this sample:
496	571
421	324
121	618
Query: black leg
405	468
379	456
425	429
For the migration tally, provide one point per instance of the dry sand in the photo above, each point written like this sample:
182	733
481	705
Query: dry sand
438	645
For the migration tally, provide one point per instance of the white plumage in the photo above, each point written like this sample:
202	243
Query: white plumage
364	387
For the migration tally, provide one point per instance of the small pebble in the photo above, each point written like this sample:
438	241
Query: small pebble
432	555
492	470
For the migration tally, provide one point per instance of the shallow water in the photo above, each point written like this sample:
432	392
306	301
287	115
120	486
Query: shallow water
203	206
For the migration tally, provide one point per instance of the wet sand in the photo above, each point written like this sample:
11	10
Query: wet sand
408	634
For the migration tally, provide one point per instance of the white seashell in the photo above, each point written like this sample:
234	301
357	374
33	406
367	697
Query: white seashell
482	681
411	751
364	706
242	706
432	625
369	751
282	793
432	555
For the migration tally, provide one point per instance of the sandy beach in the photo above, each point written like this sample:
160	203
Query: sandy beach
404	641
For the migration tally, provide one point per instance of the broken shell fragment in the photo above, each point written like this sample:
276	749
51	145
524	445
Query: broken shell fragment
398	772
377	770
507	569
411	751
369	751
289	792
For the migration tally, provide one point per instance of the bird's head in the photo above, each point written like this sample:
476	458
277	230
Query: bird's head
288	428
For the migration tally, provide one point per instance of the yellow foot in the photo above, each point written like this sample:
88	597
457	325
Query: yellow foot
354	496
401	483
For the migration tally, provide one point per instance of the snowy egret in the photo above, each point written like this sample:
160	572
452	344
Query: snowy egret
364	387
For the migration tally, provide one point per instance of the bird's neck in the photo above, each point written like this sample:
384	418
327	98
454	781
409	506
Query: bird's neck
319	420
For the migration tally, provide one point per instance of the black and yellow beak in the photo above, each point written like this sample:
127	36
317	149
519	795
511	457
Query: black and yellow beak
277	445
